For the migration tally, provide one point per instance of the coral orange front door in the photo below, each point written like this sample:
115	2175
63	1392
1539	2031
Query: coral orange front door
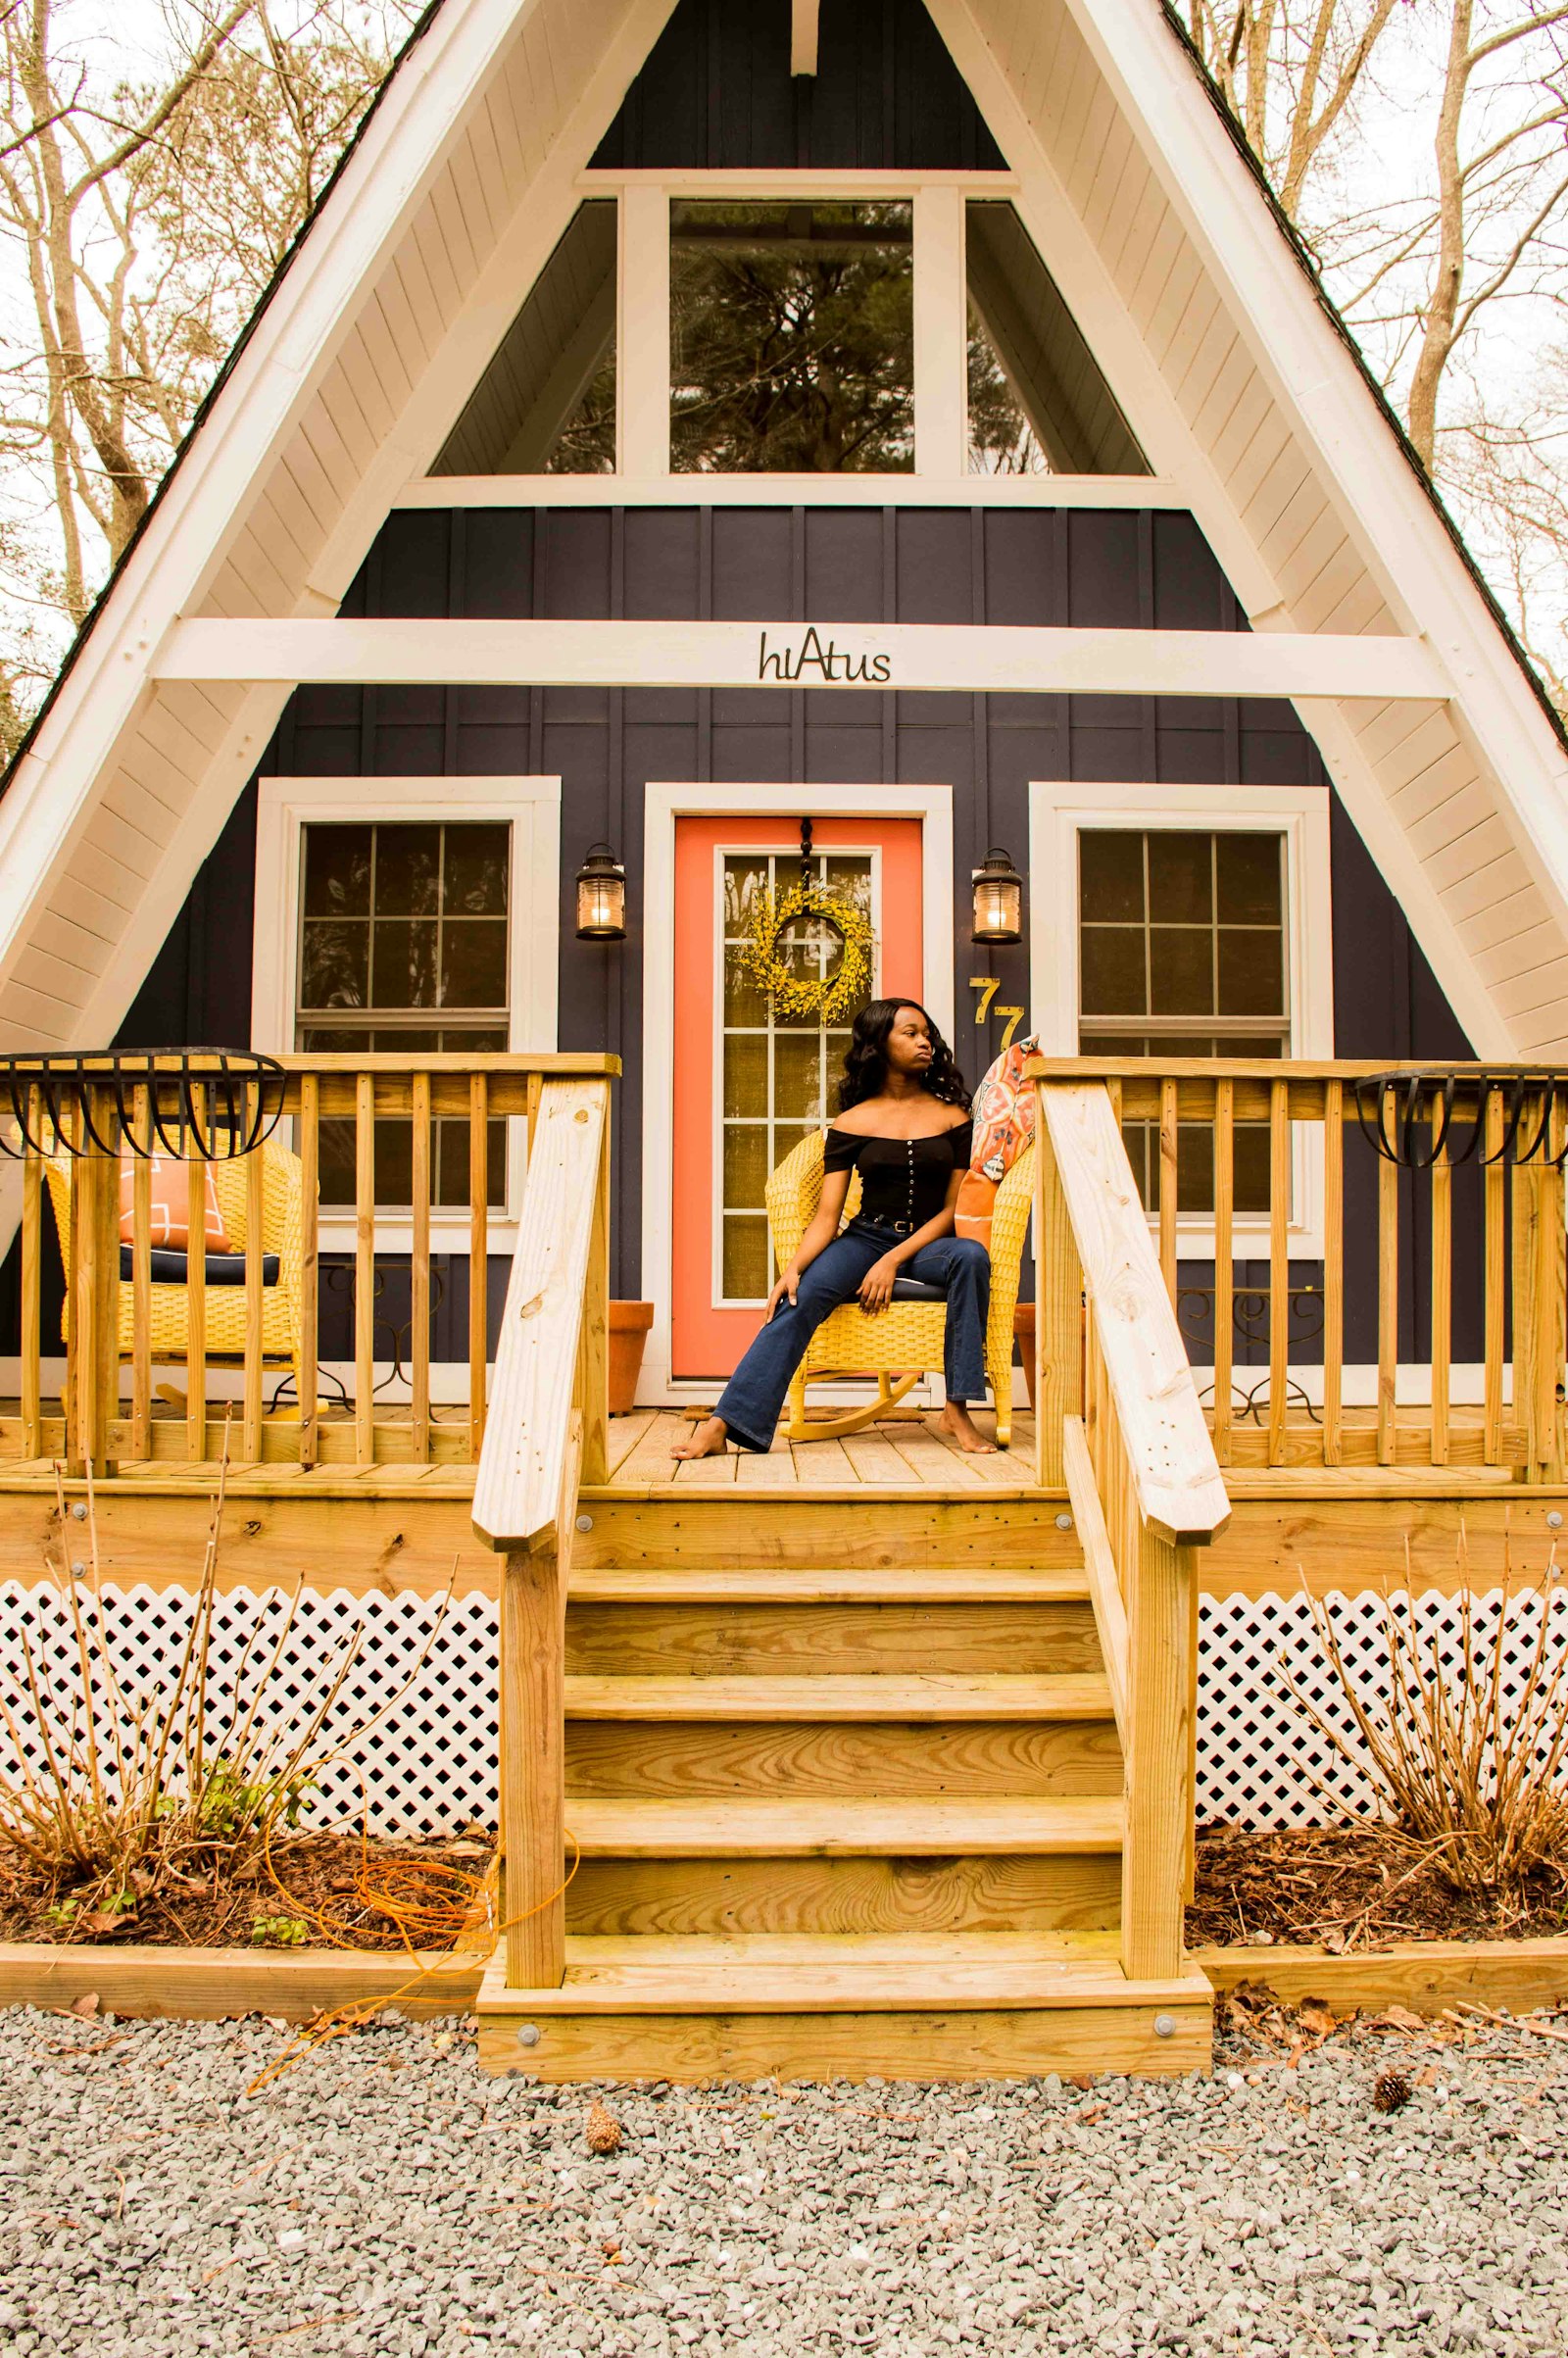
750	1082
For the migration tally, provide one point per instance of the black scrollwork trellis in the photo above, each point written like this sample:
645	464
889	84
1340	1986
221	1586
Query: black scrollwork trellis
1250	1321
204	1105
1410	1117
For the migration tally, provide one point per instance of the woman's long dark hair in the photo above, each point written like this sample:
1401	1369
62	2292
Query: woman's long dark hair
865	1060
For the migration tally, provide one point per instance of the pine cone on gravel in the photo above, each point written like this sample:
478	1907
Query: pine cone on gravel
603	2130
1390	2091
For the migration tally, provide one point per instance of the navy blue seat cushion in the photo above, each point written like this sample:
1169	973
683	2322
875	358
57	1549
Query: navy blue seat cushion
915	1289
222	1268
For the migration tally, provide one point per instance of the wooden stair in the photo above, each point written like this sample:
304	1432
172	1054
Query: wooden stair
838	1821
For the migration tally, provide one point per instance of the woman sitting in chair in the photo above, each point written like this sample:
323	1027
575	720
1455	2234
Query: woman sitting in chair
903	1124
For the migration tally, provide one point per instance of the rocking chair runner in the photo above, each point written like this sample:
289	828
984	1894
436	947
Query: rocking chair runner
908	1335
281	1235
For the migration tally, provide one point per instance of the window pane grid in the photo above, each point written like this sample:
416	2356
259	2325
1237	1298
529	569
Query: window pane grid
776	1070
1161	912
436	982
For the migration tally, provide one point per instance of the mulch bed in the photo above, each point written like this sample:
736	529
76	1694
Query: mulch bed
322	1876
1347	1888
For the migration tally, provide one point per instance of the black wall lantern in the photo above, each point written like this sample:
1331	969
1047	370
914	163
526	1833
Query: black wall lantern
600	896
997	899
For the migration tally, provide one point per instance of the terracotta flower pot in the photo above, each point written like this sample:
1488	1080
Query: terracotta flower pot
1023	1332
630	1322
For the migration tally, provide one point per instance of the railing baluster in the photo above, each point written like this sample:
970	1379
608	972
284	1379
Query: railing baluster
1224	1259
31	1288
1168	1196
1552	1317
1495	1285
1388	1297
420	1284
142	1280
255	1301
196	1281
1333	1268
365	1269
310	1143
1279	1268
478	1260
1442	1283
1526	1192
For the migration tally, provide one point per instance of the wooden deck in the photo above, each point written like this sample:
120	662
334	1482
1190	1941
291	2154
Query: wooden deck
906	1453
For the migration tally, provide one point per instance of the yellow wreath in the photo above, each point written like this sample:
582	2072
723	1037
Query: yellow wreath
835	996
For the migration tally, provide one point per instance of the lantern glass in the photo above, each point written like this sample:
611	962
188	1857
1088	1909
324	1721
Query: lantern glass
998	901
601	899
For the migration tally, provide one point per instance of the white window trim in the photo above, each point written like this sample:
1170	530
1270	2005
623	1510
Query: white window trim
941	389
663	805
532	805
1058	810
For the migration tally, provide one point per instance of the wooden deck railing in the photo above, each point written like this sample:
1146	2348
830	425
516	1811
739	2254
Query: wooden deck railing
546	1432
1344	1306
418	1156
1120	1423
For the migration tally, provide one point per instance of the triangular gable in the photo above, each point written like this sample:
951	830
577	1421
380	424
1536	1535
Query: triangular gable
1226	369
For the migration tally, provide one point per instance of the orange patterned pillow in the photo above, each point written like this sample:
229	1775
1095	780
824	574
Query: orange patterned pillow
171	1221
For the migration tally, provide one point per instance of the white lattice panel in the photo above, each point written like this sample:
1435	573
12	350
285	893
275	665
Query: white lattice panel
429	1762
429	1765
1260	1761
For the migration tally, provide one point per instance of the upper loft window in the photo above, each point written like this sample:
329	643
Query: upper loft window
674	334
546	404
792	338
1037	404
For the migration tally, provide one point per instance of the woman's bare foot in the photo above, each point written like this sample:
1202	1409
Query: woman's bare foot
959	1426
708	1439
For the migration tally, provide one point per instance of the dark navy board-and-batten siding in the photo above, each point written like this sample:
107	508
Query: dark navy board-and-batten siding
717	93
1141	568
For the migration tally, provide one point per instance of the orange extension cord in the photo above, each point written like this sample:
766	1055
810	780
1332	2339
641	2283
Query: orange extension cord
432	1903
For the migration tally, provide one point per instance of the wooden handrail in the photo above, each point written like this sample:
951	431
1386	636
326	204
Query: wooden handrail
1145	1484
1176	1478
518	1489
547	1402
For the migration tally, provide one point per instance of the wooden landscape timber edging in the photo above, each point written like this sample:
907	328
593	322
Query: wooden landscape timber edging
1427	1975
214	1984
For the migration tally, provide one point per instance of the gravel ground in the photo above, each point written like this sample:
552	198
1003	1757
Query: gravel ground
384	2197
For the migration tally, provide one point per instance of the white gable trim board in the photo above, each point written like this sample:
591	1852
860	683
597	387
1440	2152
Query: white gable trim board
1247	405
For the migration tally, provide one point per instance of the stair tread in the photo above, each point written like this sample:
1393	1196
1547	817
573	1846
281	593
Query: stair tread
792	1826
791	1585
802	1973
841	1696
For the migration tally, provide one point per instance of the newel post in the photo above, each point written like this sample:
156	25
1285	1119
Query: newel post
1158	1758
1058	1311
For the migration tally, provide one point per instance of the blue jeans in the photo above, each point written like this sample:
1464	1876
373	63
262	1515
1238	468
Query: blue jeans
750	1401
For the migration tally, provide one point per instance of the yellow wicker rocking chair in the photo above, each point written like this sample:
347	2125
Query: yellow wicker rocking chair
282	1233
907	1334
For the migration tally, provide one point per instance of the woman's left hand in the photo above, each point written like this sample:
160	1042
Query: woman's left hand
876	1286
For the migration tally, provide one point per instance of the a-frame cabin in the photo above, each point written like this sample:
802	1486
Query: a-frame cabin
678	423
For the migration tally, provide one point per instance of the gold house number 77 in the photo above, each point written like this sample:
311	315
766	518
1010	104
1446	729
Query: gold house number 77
988	985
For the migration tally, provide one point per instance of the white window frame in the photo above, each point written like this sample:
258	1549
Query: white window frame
533	807
1059	810
643	475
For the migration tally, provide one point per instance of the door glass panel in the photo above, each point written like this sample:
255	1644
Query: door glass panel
779	1074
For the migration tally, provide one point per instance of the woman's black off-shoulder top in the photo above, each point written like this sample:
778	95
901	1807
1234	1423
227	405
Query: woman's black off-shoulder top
903	1181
